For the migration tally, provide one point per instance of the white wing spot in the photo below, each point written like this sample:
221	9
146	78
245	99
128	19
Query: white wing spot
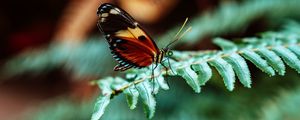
127	65
117	9
113	11
102	20
104	15
118	40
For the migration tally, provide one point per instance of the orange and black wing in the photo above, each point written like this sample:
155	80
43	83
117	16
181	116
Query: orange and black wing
129	43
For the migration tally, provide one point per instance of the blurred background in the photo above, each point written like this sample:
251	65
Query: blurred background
52	49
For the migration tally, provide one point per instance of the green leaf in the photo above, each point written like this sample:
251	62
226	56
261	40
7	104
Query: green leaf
203	71
100	106
190	77
274	60
258	61
268	53
225	70
162	83
145	92
240	67
132	97
224	44
105	85
295	49
289	57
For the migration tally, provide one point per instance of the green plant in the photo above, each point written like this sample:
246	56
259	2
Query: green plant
269	52
92	58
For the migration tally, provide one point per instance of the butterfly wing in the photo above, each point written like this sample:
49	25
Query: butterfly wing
129	43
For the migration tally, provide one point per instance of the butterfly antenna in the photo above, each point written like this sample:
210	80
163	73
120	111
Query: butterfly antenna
182	26
176	38
184	33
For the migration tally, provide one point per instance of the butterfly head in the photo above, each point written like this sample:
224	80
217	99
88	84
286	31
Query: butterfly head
167	52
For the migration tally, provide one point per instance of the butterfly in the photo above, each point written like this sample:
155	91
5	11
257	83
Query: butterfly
130	45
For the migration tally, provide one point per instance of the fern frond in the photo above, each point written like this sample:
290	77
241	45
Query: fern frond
231	17
268	52
225	70
203	71
190	77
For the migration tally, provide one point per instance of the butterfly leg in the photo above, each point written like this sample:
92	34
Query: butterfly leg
167	75
170	65
153	78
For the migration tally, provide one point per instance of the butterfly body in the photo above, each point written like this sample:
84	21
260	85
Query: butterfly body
130	45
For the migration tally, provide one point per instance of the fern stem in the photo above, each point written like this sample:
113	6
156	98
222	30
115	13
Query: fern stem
135	82
226	55
117	91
